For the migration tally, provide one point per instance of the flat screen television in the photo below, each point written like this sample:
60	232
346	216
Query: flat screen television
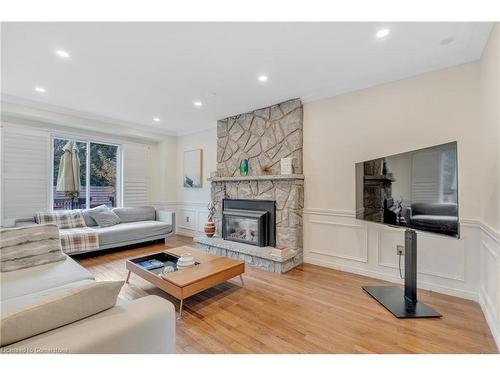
416	189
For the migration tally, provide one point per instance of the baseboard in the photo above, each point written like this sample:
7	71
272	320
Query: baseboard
383	276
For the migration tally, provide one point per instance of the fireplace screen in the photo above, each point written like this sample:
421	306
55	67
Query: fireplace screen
249	221
243	229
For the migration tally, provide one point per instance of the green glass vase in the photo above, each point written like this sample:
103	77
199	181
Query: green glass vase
244	167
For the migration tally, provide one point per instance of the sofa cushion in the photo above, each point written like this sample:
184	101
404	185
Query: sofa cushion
88	219
132	231
11	304
105	218
58	309
142	326
26	247
34	279
130	214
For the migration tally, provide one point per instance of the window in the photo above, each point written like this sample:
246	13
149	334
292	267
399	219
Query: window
98	174
434	176
448	176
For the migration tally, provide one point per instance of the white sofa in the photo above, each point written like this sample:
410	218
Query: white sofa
145	325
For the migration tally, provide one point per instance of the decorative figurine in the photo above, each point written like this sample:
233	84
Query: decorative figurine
244	167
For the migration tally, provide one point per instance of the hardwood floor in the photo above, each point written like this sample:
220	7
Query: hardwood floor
310	309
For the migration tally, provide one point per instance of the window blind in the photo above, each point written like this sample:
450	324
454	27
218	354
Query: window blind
136	179
25	173
426	177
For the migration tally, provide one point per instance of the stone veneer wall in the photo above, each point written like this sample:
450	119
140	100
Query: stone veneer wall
264	137
289	197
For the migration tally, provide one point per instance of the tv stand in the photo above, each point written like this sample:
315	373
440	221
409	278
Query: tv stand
404	304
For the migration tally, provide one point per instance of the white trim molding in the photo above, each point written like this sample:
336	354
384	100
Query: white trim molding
191	216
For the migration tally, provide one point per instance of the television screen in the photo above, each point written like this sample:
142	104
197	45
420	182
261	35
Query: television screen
416	189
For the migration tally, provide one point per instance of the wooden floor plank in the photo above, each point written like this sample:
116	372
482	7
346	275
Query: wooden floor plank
310	309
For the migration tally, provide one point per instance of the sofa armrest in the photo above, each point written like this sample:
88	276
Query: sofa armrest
145	325
166	217
25	222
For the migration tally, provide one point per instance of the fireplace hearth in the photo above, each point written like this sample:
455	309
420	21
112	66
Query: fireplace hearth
250	221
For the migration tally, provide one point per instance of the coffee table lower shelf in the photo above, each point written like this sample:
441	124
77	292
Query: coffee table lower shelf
211	270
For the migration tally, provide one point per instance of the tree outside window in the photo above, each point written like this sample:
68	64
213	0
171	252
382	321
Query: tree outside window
101	184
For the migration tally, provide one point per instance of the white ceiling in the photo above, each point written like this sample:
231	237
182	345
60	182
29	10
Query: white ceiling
136	71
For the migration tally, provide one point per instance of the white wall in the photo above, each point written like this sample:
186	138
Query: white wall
164	166
190	204
205	140
489	282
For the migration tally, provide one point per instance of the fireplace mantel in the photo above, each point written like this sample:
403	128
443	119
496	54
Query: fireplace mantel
281	177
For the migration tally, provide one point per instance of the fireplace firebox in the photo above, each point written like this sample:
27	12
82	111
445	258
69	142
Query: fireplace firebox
249	221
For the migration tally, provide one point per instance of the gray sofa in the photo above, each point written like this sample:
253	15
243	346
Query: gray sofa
435	217
138	224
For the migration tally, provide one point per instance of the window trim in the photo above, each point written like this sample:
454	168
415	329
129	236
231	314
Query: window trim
88	141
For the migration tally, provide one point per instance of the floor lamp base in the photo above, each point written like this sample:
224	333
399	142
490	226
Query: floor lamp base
393	299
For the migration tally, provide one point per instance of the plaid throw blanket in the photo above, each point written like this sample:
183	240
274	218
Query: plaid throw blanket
63	219
75	235
76	240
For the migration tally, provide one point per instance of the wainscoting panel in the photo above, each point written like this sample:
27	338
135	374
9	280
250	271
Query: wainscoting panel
489	285
196	212
339	239
187	219
437	255
489	276
388	239
201	219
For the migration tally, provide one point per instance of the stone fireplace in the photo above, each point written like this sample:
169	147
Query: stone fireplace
264	137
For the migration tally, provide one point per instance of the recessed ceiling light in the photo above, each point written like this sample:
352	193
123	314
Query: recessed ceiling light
382	33
263	78
156	119
40	89
62	53
198	103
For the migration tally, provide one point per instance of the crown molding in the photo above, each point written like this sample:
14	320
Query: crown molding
21	108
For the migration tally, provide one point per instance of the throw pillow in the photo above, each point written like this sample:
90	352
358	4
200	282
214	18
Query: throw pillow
57	310
63	219
103	216
29	246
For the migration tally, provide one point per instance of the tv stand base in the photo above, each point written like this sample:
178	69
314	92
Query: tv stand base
393	299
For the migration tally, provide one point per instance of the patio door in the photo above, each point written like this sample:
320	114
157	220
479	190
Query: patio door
99	169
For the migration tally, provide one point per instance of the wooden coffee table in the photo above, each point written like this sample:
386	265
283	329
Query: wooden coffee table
181	284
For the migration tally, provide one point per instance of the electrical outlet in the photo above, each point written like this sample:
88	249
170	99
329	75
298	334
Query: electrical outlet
400	250
187	219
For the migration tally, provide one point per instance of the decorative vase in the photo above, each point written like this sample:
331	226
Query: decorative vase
244	167
210	228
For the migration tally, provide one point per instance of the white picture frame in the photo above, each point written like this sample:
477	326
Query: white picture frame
192	169
286	166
